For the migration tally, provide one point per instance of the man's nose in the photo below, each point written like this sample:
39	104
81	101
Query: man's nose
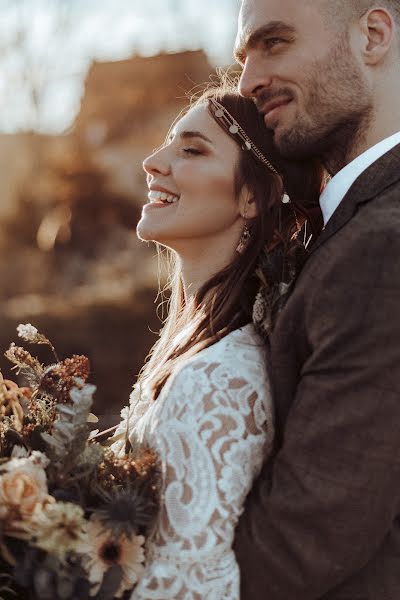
254	78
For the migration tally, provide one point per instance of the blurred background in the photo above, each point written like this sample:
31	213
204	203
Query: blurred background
87	89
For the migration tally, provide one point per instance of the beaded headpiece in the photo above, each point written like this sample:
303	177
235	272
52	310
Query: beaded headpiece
229	123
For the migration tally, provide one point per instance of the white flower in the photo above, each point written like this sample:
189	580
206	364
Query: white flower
27	332
59	528
19	452
106	551
36	459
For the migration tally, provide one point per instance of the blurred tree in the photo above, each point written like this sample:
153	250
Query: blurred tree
47	45
32	35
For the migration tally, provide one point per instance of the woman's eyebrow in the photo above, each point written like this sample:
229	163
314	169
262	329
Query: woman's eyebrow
185	135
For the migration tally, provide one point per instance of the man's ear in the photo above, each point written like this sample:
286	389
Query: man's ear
247	205
379	30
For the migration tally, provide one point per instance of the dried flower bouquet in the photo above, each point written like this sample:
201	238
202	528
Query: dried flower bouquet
73	516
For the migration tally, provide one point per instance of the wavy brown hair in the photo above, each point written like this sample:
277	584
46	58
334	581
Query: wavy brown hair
224	303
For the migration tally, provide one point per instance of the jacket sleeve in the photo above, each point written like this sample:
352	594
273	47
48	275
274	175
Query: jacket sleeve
324	509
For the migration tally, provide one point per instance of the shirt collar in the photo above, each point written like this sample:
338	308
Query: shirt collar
340	184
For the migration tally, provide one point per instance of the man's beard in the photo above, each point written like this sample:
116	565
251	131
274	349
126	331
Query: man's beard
338	111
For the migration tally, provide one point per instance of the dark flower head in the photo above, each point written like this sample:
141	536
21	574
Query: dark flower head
129	511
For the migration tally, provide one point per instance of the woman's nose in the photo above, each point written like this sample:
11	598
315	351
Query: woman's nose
156	163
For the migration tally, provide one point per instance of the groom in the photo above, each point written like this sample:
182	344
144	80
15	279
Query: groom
323	520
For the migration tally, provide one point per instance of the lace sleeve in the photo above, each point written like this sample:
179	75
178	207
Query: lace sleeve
209	427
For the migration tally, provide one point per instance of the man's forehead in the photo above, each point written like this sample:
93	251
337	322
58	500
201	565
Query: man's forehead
257	13
261	18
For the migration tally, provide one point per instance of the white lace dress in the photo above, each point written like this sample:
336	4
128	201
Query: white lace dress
212	426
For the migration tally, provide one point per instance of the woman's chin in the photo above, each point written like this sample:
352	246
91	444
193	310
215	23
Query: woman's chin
150	234
146	233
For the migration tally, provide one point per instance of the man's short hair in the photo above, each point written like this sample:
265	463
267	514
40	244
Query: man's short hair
342	11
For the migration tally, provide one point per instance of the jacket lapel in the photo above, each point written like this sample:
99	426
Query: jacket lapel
380	175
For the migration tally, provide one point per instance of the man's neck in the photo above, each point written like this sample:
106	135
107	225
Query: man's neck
352	142
348	142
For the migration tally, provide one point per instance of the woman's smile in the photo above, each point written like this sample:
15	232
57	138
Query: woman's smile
155	195
160	199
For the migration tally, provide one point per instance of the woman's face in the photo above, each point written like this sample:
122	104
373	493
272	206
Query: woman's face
191	183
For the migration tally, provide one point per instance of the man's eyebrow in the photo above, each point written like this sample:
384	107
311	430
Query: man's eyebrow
253	40
186	135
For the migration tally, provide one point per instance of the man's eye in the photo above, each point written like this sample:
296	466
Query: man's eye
272	42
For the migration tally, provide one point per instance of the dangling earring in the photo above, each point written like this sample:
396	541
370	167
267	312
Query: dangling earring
244	240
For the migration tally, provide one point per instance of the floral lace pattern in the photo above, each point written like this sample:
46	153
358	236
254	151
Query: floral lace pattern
212	427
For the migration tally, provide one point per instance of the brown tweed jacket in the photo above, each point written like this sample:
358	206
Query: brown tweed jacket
323	519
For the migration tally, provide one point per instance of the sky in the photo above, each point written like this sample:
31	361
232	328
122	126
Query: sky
46	47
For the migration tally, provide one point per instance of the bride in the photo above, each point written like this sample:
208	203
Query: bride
218	202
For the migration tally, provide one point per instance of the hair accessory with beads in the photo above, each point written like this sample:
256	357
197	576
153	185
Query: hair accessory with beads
232	126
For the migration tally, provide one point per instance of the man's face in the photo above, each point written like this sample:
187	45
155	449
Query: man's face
302	73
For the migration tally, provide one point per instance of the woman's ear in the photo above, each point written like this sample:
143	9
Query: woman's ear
247	205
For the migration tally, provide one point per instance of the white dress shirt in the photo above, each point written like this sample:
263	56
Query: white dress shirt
340	184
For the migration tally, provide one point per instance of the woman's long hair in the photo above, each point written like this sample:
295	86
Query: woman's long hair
225	301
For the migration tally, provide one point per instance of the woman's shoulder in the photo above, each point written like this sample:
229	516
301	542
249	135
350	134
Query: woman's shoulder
233	372
241	352
242	343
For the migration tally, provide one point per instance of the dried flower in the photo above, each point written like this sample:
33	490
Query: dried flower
123	468
59	528
59	379
277	271
54	550
259	309
23	486
10	401
107	551
24	361
76	366
28	332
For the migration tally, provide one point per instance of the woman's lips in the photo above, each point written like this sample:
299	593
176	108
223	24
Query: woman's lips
156	205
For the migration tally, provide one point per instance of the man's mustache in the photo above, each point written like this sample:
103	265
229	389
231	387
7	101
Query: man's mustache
266	96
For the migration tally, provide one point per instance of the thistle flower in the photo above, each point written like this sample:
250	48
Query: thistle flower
128	511
106	551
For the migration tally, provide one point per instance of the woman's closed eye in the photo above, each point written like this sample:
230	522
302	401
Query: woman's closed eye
191	150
